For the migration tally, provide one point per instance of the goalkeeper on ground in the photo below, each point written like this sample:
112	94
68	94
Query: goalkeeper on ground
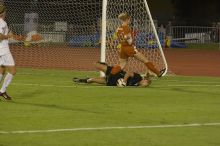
110	79
127	48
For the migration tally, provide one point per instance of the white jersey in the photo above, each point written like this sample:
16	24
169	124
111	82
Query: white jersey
4	46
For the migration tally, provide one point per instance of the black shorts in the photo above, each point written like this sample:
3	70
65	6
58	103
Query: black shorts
111	80
134	81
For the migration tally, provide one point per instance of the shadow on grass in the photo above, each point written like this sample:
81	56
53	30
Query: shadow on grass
56	107
184	90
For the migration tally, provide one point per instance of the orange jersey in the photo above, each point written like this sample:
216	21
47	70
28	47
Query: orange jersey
122	32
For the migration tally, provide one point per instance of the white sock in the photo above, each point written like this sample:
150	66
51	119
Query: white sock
1	76
7	81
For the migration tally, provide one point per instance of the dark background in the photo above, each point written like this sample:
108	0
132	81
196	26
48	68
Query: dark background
180	12
186	12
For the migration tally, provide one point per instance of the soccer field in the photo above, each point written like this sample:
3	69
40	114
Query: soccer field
48	109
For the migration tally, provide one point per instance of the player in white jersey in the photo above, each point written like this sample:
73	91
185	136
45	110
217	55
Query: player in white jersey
6	59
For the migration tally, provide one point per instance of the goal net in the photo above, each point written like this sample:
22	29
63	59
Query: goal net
70	33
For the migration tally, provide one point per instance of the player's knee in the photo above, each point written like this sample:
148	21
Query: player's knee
100	66
2	70
12	71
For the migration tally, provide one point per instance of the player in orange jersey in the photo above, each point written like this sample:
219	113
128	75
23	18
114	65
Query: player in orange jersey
128	49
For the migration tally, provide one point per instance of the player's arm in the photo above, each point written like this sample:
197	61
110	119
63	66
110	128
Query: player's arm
10	35
16	37
5	37
2	36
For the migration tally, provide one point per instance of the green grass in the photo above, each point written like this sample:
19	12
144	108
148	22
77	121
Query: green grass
47	99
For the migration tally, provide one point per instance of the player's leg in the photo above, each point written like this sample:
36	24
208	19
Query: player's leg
8	78
10	66
122	61
2	72
123	57
99	80
101	66
131	51
139	56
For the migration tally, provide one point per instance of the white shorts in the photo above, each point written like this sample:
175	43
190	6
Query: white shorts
7	60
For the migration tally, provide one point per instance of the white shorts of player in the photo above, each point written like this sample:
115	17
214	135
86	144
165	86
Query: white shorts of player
7	60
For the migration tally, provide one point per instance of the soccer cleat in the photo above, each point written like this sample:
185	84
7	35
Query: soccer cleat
77	80
5	96
162	72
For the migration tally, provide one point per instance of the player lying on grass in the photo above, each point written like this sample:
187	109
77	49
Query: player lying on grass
110	79
128	49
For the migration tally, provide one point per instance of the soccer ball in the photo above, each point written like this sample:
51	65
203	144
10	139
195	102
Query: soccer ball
121	83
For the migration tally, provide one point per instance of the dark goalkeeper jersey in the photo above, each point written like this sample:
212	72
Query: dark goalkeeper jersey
111	80
133	81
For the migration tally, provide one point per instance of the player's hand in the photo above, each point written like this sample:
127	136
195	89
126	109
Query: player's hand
10	35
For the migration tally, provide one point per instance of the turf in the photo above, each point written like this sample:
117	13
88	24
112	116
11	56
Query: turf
47	99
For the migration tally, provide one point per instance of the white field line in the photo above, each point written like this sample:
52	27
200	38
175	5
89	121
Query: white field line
109	128
43	85
102	86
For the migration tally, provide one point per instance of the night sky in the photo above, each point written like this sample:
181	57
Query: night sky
186	12
180	12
